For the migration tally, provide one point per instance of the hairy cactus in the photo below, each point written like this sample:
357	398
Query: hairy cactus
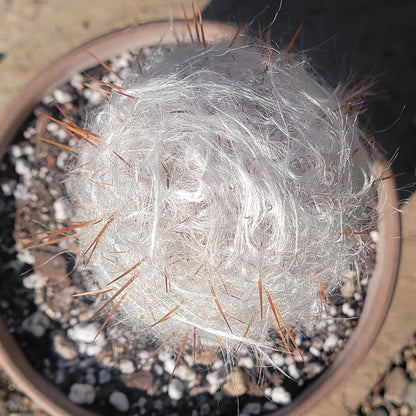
221	197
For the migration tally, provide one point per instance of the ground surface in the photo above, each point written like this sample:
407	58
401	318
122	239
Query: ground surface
374	36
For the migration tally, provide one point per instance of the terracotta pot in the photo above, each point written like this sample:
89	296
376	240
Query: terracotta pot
381	285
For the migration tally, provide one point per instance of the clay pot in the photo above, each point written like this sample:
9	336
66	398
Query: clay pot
381	285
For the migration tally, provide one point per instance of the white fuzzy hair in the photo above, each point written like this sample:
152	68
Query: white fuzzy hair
231	180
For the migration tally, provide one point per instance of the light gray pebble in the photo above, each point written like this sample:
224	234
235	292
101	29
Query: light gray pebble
176	389
127	367
8	187
104	376
82	393
253	408
119	401
36	324
269	407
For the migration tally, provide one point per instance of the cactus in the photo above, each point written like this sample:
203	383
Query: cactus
221	197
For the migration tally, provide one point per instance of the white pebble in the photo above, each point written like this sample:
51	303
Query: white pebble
16	151
77	81
374	235
26	256
314	351
85	333
82	394
36	324
175	389
347	310
330	342
34	281
278	359
184	373
127	367
62	97
293	371
63	209
120	401
22	167
93	97
246	362
61	159
280	396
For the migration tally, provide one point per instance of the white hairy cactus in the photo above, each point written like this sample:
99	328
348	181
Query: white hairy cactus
223	199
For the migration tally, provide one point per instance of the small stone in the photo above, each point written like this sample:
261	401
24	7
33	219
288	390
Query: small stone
330	342
104	376
63	210
86	333
119	401
280	396
35	281
395	386
64	347
215	380
142	380
175	389
36	324
293	371
347	310
410	395
184	373
62	97
22	167
8	187
348	289
127	367
235	384
314	351
246	362
252	408
82	393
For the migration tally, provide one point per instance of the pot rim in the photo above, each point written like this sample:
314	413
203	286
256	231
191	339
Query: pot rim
381	286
